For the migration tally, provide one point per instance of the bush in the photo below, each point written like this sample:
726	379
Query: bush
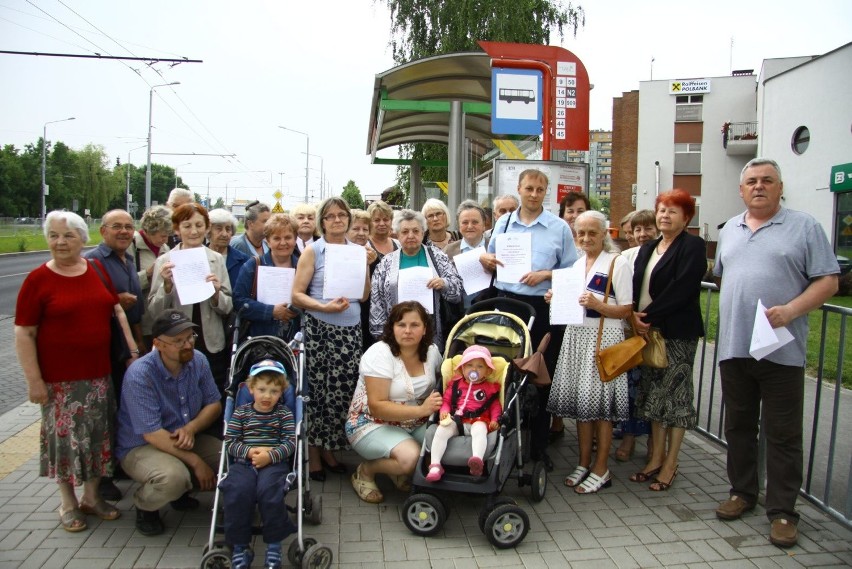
22	244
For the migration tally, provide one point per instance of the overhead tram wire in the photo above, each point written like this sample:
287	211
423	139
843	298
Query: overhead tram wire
99	56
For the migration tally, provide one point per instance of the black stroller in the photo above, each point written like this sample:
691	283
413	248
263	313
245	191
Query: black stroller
503	522
303	552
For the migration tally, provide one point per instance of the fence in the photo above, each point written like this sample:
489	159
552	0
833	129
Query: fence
827	487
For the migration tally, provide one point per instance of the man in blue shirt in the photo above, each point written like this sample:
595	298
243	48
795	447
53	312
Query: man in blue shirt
117	233
169	398
252	242
552	247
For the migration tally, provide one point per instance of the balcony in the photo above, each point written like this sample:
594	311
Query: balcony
740	138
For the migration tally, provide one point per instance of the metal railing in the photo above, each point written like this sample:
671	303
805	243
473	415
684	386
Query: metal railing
827	487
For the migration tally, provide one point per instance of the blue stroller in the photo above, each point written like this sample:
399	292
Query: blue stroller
303	552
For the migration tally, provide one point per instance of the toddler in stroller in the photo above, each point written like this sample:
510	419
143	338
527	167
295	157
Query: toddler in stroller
260	438
471	407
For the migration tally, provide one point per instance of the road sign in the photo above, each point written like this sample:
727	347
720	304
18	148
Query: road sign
277	207
515	101
277	195
841	178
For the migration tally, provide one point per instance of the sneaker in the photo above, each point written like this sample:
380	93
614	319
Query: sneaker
185	503
436	471
273	556
784	533
733	508
242	557
108	490
149	523
475	465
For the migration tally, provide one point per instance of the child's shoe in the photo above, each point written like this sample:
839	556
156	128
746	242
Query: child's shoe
241	557
476	465
273	556
436	471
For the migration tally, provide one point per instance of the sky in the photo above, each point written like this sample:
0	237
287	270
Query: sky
311	66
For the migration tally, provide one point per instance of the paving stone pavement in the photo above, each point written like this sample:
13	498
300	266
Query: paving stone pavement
625	526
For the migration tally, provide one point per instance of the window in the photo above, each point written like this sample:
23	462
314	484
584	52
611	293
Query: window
689	108
801	139
687	158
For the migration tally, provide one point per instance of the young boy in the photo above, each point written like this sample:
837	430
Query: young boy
260	437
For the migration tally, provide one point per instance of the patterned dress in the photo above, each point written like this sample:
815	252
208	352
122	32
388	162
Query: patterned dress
577	391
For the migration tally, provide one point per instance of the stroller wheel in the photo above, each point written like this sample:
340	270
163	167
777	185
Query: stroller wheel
217	558
489	506
507	526
424	514
315	512
216	545
294	555
538	481
317	556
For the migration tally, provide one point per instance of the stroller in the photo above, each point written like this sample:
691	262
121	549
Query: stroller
303	552
503	522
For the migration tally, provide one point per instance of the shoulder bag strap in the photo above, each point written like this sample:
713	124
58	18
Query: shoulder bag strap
606	297
254	284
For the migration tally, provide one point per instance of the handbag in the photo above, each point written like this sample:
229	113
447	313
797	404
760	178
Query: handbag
119	351
620	357
654	353
535	366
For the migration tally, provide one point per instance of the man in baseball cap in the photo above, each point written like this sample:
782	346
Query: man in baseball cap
168	399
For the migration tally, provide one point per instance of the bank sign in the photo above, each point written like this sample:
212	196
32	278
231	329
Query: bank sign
689	86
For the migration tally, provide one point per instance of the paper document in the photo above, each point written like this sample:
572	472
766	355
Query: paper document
568	285
474	277
345	271
514	250
190	275
764	338
412	286
275	285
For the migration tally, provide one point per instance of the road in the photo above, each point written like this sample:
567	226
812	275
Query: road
13	271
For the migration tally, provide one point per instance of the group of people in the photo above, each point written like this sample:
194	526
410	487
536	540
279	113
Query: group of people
373	361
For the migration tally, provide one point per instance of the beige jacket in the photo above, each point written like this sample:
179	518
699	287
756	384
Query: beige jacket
211	316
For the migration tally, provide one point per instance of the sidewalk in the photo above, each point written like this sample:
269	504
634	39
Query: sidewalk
625	526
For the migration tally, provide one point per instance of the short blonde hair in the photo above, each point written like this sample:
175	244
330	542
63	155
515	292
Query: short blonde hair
361	215
278	222
380	207
435	204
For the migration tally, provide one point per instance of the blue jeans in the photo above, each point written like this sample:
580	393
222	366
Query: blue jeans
246	486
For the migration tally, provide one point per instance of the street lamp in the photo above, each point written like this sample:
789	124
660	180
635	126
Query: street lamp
127	194
176	170
148	169
44	166
322	172
307	155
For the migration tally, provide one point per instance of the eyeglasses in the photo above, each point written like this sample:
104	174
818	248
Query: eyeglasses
119	227
434	215
333	216
181	343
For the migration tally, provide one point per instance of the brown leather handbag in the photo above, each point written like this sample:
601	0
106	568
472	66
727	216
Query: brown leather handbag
620	357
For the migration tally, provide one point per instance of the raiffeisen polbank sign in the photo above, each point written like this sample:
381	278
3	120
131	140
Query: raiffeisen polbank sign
689	86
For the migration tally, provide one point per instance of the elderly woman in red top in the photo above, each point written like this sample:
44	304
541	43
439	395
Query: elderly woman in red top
62	336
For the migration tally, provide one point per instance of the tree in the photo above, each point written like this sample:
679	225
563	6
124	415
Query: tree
394	196
220	203
422	28
352	195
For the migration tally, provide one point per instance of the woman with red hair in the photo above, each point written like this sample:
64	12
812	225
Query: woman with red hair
667	277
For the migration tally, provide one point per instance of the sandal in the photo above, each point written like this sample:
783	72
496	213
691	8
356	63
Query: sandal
436	471
576	477
73	520
101	509
660	486
593	483
366	489
401	481
643	477
625	451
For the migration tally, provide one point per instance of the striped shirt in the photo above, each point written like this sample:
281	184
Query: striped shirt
250	428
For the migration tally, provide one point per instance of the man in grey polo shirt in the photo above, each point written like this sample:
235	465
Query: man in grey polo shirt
782	258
